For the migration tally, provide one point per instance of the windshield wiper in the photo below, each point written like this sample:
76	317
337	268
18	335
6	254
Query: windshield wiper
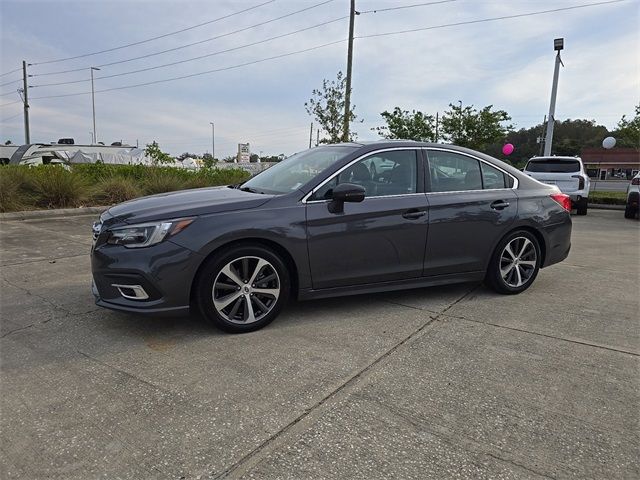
249	189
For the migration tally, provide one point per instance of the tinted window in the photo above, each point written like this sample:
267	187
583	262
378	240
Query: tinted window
492	177
452	172
298	169
384	173
553	166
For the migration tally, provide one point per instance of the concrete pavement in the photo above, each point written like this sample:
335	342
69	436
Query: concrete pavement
451	382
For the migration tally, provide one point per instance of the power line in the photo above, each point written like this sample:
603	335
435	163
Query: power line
12	71
10	103
154	38
196	74
9	83
7	93
377	10
11	117
492	19
200	57
180	47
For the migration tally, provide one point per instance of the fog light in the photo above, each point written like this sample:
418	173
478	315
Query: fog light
132	292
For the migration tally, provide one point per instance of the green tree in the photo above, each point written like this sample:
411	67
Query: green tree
628	131
153	151
472	128
8	142
230	159
327	107
208	160
402	124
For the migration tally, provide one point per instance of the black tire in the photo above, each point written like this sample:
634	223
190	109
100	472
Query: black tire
630	211
212	270
494	277
581	207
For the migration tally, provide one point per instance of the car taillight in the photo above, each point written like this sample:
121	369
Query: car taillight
563	200
580	181
635	181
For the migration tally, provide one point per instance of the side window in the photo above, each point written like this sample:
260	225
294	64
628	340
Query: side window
492	177
452	172
383	173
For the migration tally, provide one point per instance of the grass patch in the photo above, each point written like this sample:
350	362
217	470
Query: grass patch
608	198
54	186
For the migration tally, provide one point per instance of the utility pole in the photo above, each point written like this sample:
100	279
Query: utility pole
213	141
347	93
558	44
25	100
311	135
541	137
93	104
317	137
437	124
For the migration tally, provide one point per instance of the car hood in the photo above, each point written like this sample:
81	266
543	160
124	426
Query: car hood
184	203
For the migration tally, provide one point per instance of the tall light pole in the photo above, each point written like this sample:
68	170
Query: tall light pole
93	104
25	101
213	141
558	44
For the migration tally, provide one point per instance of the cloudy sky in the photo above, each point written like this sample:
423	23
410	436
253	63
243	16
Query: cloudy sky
507	63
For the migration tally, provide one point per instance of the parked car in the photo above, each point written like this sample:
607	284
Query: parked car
633	197
333	220
567	173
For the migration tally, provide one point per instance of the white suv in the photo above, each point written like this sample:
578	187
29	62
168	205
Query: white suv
567	173
633	198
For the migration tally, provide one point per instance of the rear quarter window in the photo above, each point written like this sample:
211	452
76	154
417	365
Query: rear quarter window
553	166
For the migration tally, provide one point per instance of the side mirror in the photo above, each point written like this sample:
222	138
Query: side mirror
345	192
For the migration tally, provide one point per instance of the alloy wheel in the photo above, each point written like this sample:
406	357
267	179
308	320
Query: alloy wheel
518	262
246	289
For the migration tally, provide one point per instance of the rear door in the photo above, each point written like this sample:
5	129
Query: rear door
379	239
471	206
564	173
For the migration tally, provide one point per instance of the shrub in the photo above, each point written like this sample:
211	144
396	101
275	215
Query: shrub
160	180
115	189
608	198
16	189
57	187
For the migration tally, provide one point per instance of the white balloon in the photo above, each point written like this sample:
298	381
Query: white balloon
609	142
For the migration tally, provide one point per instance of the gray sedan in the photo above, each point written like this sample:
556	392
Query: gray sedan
333	220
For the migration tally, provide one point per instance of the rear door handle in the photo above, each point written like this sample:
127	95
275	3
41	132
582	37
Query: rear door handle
499	204
413	214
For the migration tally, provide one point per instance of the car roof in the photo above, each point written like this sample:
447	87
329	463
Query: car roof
554	157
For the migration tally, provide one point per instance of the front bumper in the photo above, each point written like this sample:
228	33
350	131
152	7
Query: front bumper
164	272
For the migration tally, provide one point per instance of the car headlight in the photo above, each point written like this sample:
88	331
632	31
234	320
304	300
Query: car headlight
147	234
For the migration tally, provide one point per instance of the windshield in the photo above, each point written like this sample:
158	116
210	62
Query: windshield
553	166
295	171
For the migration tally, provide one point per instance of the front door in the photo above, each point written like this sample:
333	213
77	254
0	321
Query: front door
379	239
471	207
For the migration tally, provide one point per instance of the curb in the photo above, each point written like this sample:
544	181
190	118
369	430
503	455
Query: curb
60	212
602	206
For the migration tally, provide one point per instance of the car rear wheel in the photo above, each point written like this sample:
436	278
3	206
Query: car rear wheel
515	263
630	211
243	289
581	207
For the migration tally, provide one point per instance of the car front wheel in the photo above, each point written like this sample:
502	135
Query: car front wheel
243	289
515	263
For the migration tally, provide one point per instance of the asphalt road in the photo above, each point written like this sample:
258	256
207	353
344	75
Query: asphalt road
609	185
452	382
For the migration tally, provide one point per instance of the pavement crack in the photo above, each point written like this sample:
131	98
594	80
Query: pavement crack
521	330
246	461
519	465
123	372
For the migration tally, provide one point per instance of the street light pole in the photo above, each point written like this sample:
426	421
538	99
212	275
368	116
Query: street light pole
213	141
558	44
93	104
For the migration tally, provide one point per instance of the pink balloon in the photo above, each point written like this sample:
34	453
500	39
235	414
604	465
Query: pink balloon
508	149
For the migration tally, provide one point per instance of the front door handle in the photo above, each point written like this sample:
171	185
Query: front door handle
499	205
413	214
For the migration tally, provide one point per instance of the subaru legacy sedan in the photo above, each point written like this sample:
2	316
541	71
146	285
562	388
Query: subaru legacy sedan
333	220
